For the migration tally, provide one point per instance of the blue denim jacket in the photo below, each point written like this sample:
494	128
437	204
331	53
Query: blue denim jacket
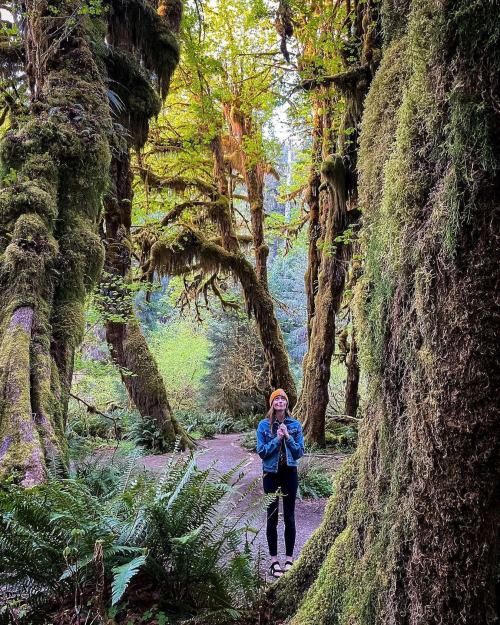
268	444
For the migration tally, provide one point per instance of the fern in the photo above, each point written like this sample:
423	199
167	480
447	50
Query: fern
197	549
122	576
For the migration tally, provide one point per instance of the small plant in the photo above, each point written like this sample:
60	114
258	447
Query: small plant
248	440
146	434
314	480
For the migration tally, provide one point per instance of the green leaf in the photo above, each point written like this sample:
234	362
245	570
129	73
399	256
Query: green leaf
187	538
122	576
162	619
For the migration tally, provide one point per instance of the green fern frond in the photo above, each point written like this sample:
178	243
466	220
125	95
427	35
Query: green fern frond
122	576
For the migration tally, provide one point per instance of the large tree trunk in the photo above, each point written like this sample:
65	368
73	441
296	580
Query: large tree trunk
128	346
417	541
50	254
314	396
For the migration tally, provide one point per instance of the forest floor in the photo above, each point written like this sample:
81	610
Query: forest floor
226	452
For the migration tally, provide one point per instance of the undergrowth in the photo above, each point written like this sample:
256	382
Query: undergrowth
315	480
112	537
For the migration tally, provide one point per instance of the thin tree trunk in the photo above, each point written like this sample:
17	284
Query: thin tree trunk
50	253
314	396
338	213
352	381
128	346
259	301
255	189
254	284
314	228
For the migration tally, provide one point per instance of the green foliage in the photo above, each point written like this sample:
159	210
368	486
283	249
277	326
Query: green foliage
248	440
210	423
87	424
176	531
180	350
122	576
315	479
290	292
145	433
341	437
236	378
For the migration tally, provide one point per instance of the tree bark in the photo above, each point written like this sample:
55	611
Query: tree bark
255	187
314	229
128	346
418	544
352	381
314	396
50	253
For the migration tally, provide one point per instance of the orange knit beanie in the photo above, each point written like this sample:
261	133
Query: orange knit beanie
279	392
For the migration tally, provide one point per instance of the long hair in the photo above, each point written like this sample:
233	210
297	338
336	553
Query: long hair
271	415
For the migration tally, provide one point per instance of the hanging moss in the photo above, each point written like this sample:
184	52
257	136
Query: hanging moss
132	84
138	23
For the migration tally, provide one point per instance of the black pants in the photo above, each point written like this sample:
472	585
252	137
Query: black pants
287	479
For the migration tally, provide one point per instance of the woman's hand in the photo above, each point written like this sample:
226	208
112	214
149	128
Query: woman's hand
284	431
280	433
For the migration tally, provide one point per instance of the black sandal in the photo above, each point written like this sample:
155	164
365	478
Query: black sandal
288	565
275	570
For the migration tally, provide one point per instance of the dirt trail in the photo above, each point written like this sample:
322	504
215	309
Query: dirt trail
227	453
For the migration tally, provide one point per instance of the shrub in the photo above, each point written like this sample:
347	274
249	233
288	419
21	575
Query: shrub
89	542
341	437
88	424
146	434
314	479
237	378
248	440
213	422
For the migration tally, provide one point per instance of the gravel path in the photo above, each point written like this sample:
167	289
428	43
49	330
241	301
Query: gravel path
227	453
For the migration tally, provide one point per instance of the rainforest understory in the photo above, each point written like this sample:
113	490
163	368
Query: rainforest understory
202	201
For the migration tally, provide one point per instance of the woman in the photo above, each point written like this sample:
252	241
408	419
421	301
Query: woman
280	444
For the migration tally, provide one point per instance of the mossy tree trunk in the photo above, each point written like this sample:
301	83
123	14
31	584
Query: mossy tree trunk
56	157
127	343
253	281
313	201
331	251
128	346
351	402
413	539
255	187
